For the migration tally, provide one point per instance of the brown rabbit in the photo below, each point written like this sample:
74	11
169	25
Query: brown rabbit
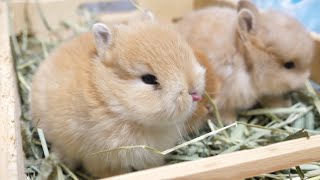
256	54
134	84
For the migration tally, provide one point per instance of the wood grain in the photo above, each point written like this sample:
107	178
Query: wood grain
238	165
11	156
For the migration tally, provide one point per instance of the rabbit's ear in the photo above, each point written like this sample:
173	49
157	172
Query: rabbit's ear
102	36
247	22
247	17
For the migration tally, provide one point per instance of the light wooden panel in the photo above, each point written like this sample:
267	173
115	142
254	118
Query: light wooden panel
11	156
238	165
315	68
167	10
57	10
54	11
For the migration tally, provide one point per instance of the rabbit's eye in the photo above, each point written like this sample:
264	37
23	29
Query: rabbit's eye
149	79
289	65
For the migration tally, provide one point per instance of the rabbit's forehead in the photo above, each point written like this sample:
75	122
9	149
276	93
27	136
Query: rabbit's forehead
160	56
166	68
158	50
188	71
286	37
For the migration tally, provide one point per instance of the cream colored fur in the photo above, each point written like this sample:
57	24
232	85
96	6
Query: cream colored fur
87	103
248	49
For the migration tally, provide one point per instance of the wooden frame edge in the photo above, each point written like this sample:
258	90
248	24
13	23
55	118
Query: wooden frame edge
11	154
238	165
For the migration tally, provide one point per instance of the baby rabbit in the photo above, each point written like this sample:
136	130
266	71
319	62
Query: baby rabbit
256	54
134	84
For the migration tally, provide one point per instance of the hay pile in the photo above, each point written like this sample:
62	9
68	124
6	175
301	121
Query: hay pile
258	127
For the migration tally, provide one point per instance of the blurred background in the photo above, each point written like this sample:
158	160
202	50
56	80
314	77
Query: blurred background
306	11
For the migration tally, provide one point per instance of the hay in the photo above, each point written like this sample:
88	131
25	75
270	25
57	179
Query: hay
256	128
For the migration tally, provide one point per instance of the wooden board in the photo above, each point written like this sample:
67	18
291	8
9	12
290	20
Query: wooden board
315	68
30	14
167	10
56	11
11	155
238	165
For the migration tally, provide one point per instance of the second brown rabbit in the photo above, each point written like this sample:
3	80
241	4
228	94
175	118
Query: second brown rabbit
256	54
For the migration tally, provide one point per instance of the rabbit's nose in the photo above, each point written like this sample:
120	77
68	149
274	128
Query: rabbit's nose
195	96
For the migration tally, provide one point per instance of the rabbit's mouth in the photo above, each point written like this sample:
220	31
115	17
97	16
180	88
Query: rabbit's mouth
195	96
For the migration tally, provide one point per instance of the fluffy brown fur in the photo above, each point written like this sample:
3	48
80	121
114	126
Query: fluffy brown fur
249	50
89	96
